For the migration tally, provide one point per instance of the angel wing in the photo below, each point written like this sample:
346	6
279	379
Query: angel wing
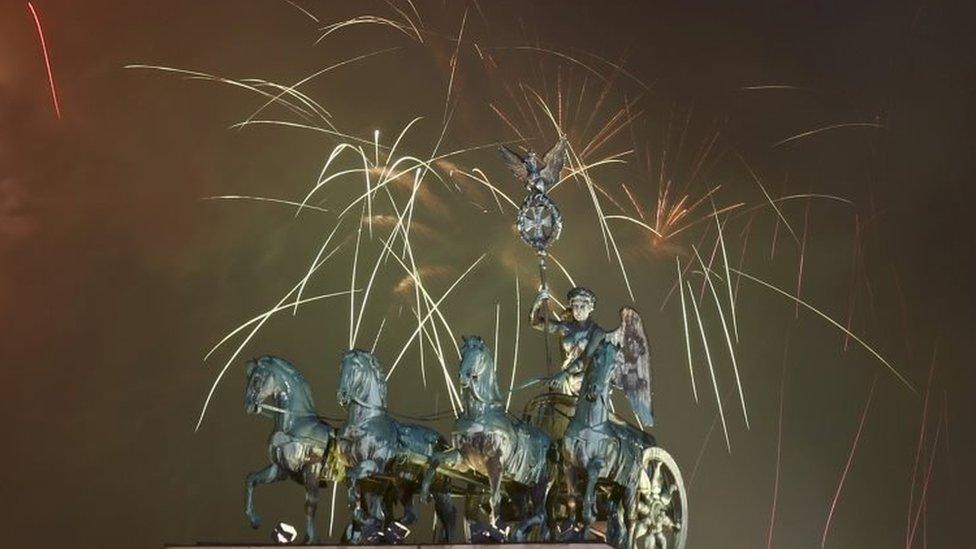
633	371
554	161
515	163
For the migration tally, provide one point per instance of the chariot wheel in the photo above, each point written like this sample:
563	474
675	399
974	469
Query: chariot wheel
665	514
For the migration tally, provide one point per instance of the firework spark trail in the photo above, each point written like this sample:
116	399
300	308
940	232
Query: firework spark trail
685	271
768	198
742	253
407	18
779	449
928	477
701	451
414	273
262	199
711	368
292	88
799	196
429	313
421	326
833	322
315	264
728	337
518	328
684	320
507	121
454	63
376	339
827	128
568	276
332	506
370	20
352	283
728	275
918	449
707	270
47	59
498	316
257	327
483	179
316	19
266	314
852	296
619	68
620	120
419	288
572	173
435	344
633	202
771	87
287	124
847	466
561	55
705	441
316	108
380	260
803	253
702	159
195	75
636	222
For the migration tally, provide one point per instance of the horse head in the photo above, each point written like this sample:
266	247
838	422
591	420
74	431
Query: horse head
361	380
597	380
263	382
477	370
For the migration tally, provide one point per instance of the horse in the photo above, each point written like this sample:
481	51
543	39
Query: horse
300	442
372	445
490	442
598	449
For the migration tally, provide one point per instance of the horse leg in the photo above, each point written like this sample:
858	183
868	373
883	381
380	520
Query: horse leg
405	494
271	473
376	517
354	475
451	459
629	513
311	478
446	516
616	527
495	482
589	500
537	497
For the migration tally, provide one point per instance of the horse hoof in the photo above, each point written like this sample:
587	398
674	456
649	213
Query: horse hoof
255	522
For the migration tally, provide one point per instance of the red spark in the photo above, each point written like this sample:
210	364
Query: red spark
918	450
47	59
847	467
779	447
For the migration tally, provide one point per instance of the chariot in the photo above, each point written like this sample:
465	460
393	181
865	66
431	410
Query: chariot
567	469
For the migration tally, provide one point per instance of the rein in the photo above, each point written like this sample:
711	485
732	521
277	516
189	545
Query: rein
428	417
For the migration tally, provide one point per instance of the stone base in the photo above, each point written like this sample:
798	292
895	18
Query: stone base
586	545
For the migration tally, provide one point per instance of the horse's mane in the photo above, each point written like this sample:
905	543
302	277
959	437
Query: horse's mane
369	360
476	342
288	369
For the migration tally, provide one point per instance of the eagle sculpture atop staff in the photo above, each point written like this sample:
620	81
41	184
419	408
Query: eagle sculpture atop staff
538	177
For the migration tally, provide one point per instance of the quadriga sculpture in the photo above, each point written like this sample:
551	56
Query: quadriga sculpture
375	447
487	440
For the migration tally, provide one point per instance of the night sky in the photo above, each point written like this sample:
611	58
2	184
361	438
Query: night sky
117	277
